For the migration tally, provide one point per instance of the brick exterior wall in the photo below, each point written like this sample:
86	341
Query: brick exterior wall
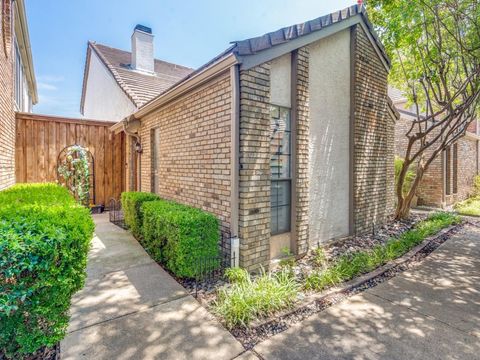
254	185
194	151
7	114
373	137
195	145
302	152
467	169
431	190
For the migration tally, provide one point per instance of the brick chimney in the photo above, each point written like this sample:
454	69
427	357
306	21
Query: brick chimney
142	49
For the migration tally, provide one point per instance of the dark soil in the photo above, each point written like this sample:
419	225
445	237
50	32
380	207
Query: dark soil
44	353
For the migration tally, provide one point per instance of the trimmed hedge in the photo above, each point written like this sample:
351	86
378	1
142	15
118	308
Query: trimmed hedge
177	235
44	239
131	203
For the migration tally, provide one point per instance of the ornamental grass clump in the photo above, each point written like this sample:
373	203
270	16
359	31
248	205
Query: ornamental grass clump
247	299
351	265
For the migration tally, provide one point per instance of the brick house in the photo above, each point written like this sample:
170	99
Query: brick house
18	91
450	177
288	137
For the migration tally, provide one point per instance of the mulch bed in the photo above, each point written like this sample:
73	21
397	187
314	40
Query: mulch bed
44	353
249	337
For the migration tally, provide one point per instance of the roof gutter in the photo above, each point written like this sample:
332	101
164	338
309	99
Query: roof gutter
23	40
183	87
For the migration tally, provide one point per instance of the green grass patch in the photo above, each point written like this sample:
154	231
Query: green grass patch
470	207
349	266
247	299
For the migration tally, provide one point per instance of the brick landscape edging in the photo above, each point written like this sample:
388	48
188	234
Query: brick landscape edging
359	281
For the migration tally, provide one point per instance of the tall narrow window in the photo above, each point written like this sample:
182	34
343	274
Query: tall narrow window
280	166
448	172
155	158
455	169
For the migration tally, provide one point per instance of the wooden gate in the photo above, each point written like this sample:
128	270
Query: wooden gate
40	138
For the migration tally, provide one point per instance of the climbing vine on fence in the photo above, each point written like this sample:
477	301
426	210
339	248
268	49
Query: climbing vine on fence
75	170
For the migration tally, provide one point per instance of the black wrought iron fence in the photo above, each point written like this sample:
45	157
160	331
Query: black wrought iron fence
116	213
210	270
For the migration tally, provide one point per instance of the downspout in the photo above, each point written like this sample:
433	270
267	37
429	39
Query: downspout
235	166
138	149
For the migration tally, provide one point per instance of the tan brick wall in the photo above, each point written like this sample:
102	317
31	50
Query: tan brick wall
374	132
467	170
195	144
7	114
431	190
302	152
254	186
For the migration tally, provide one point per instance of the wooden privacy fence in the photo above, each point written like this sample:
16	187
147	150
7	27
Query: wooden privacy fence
40	138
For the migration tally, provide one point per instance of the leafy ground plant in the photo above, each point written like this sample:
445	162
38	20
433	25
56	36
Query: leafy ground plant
349	266
470	207
247	299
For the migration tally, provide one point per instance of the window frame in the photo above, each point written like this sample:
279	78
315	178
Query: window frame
279	178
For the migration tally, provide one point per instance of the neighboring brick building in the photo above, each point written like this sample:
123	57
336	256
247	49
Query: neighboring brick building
17	81
450	176
288	138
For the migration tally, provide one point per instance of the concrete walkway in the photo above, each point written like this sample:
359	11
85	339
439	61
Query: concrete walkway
131	308
430	312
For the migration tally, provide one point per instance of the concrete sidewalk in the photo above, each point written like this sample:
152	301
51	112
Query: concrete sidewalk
430	312
131	308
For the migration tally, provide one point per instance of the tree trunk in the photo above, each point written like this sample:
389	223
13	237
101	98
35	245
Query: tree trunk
404	202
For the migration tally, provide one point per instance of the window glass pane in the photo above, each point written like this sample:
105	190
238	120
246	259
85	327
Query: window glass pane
280	193
274	112
285	118
283	219
280	163
273	220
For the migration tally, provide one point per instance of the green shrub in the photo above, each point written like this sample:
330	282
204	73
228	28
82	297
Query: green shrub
476	186
44	240
471	206
351	265
178	235
246	300
237	275
131	204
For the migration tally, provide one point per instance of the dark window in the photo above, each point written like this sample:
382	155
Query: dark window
155	158
448	164
455	168
280	166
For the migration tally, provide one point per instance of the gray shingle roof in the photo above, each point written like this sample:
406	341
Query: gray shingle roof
139	87
253	45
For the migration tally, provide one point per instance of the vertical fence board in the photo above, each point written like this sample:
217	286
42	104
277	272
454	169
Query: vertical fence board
39	140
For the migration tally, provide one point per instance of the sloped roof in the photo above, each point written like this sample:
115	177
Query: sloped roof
254	45
257	44
396	95
139	87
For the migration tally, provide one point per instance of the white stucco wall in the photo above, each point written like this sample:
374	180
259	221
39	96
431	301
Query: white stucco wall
104	99
329	149
280	80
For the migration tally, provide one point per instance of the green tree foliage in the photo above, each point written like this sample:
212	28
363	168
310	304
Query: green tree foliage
434	46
